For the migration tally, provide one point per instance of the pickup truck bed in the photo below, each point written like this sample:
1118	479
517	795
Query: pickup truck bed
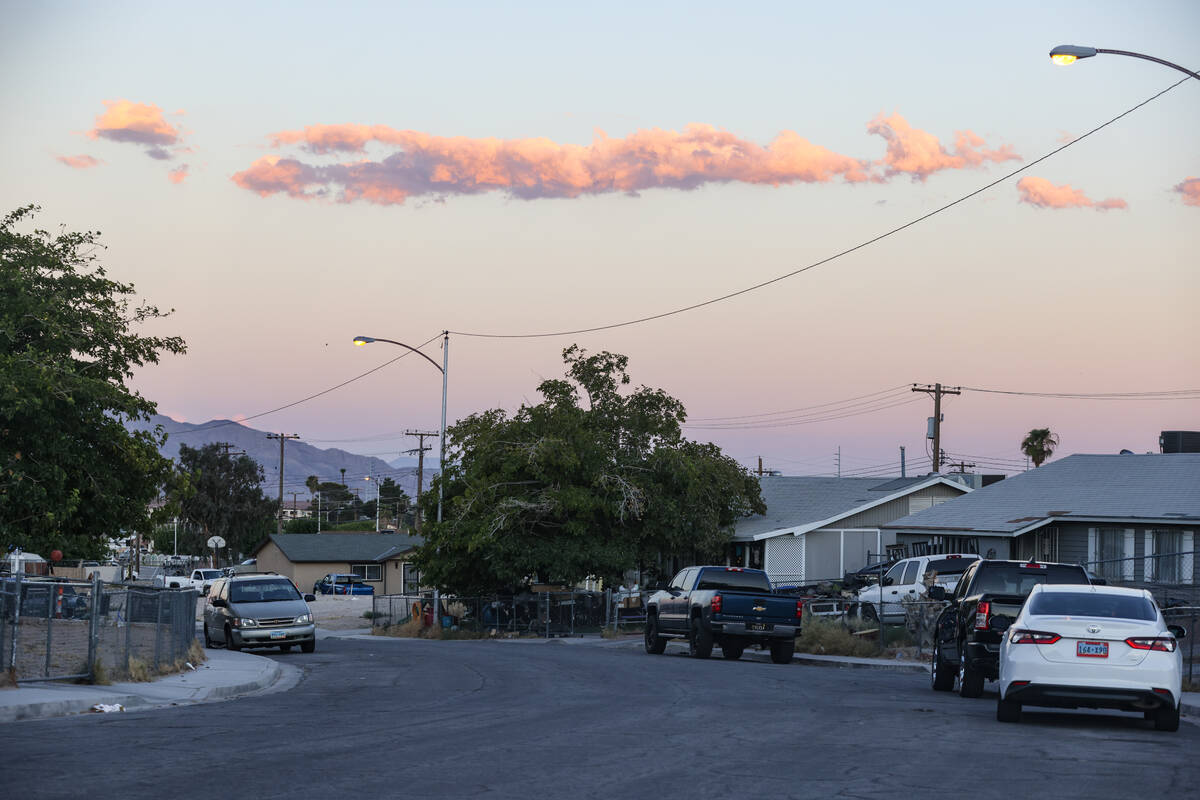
729	607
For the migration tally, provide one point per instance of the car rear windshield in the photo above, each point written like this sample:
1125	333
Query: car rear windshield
1019	579
950	566
1086	604
734	580
262	591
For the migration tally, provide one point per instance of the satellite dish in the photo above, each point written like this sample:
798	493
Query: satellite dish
1126	453
215	542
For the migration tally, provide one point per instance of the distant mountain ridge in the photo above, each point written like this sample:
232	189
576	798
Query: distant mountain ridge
300	458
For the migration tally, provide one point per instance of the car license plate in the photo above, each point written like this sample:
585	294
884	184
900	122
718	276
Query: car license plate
759	626
1092	649
278	634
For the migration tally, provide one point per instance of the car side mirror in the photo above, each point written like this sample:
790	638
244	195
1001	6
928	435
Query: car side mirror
308	598
887	581
1178	631
219	602
937	592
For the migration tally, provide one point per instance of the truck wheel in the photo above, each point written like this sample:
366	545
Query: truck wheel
782	650
230	644
970	680
700	641
732	650
655	644
1167	718
1008	710
943	677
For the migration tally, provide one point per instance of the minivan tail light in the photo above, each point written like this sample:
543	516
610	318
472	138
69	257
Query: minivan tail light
716	604
1165	644
981	615
1032	637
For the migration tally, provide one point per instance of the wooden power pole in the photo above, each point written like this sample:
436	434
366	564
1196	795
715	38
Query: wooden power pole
282	437
420	450
936	390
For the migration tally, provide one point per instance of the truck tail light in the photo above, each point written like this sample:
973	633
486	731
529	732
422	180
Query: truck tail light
716	604
799	609
981	615
1032	637
1165	644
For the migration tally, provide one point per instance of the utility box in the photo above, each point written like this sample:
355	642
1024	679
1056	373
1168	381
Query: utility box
1179	442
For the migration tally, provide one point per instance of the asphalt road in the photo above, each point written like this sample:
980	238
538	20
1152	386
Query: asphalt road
416	719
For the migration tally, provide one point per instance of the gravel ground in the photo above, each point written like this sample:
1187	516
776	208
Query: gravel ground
331	612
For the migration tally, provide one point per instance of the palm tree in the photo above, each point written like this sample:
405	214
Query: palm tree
1039	445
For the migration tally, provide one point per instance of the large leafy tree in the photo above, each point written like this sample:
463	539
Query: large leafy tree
71	473
593	480
224	498
1039	445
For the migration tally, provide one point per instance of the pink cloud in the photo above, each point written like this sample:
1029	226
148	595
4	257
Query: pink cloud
179	174
1042	193
427	165
79	162
137	123
1190	191
918	153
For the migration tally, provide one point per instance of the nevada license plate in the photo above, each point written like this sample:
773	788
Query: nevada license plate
759	626
278	634
1092	649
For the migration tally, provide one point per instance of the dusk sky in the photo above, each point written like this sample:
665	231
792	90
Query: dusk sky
289	175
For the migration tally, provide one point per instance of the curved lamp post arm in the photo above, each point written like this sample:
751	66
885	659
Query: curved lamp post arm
1069	53
361	340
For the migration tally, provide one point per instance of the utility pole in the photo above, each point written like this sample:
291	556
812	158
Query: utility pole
839	461
962	466
282	437
937	390
760	466
420	450
902	475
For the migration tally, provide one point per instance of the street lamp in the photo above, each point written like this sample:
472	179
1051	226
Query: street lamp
444	368
1068	54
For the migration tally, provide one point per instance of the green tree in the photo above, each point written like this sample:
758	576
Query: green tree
590	481
71	473
225	498
337	503
1039	445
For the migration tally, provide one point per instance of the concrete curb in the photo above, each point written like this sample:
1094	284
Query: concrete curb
63	708
812	660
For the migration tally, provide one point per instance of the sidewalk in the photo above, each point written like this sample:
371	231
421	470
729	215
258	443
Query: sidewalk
223	675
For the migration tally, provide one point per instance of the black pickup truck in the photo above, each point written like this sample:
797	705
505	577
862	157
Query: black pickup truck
986	600
727	606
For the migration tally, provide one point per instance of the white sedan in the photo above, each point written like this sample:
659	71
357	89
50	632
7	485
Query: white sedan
1091	647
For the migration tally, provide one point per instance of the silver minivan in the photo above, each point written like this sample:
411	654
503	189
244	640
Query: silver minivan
258	611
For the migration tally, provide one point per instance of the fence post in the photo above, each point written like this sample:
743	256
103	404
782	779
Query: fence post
16	628
158	628
93	625
50	603
1192	651
547	615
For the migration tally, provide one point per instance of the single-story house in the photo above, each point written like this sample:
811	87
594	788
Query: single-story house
382	559
816	529
297	509
1129	518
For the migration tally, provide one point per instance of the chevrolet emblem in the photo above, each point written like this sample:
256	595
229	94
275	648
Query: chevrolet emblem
760	608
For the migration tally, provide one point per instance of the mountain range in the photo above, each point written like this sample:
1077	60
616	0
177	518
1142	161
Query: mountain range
300	459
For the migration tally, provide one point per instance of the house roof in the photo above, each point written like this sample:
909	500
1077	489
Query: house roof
800	504
1122	488
302	547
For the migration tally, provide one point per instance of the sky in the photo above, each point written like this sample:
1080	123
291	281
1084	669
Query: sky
286	176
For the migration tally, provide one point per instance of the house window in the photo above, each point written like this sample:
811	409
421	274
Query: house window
1110	550
368	572
1040	545
412	578
1168	556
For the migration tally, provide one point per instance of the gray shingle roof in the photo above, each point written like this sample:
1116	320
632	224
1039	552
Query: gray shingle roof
798	501
1156	487
362	547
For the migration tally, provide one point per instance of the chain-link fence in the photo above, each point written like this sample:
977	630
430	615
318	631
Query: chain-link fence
60	630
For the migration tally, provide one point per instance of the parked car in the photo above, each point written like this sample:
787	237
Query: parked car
44	597
866	576
906	579
1100	647
730	607
200	579
986	600
335	583
258	611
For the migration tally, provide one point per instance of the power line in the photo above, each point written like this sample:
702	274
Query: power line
802	408
827	259
768	424
1170	394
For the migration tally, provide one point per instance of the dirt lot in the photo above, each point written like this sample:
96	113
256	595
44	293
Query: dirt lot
331	612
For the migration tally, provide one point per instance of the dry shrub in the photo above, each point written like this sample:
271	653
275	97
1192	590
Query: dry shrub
832	638
414	628
8	679
196	653
139	671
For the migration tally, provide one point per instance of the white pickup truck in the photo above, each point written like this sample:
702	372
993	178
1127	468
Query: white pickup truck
906	579
200	580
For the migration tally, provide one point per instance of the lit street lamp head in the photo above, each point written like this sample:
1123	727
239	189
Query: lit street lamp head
361	340
1068	53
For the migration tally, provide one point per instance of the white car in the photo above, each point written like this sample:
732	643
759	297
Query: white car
906	579
1091	647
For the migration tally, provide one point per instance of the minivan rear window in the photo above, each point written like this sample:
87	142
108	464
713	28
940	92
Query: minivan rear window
1086	604
734	580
